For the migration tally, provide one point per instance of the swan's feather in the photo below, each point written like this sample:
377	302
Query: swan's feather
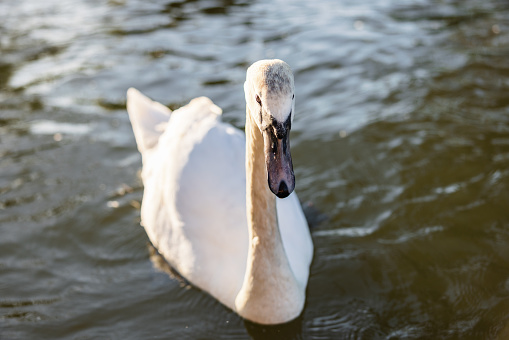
147	119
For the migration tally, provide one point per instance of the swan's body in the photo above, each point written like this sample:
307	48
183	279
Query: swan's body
222	237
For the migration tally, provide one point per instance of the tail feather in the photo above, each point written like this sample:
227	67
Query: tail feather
147	118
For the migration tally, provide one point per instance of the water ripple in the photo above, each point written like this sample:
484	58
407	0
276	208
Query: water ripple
401	140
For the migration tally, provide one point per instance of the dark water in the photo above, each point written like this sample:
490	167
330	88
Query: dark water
401	139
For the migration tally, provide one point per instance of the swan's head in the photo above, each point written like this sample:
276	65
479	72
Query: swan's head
270	99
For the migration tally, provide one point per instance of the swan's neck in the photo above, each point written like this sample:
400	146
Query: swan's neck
264	235
270	293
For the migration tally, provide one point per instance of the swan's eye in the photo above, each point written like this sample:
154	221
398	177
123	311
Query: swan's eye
258	100
293	97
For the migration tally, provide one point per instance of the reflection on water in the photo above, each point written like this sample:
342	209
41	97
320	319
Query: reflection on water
400	143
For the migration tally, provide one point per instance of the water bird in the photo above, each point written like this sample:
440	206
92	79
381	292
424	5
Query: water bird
209	204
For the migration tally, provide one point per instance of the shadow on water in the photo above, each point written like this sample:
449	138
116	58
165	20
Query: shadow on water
288	331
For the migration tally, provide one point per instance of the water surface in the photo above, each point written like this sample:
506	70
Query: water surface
401	140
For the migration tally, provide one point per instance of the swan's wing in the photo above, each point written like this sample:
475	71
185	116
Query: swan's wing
194	202
147	119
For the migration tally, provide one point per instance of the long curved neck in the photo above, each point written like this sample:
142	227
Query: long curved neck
270	293
261	202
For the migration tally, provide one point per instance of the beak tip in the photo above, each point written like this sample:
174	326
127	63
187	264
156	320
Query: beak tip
283	190
283	195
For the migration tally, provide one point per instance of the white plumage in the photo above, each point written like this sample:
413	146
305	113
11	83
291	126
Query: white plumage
194	203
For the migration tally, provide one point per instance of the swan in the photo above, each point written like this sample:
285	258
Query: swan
209	203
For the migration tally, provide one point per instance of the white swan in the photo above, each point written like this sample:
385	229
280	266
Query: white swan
209	209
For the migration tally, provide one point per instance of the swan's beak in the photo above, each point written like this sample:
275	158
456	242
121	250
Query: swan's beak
279	161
